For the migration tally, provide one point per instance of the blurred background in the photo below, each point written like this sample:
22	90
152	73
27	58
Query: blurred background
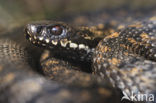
14	13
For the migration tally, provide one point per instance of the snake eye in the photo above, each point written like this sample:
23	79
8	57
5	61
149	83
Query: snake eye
56	30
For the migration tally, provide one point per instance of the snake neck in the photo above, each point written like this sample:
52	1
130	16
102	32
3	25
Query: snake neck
84	39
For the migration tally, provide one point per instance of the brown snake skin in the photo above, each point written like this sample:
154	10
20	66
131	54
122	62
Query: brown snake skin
124	60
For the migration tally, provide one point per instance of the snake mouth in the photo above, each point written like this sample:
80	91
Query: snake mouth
28	37
27	34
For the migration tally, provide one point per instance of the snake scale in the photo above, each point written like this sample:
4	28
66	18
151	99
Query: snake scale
87	62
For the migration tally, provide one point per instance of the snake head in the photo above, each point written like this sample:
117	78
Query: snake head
61	37
49	33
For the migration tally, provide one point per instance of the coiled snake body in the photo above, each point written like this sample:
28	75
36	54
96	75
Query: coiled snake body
120	53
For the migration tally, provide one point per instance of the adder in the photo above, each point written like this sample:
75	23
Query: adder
83	62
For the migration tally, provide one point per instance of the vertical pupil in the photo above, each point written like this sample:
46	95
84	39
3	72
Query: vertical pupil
56	30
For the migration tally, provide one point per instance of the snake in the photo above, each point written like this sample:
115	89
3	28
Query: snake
82	63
